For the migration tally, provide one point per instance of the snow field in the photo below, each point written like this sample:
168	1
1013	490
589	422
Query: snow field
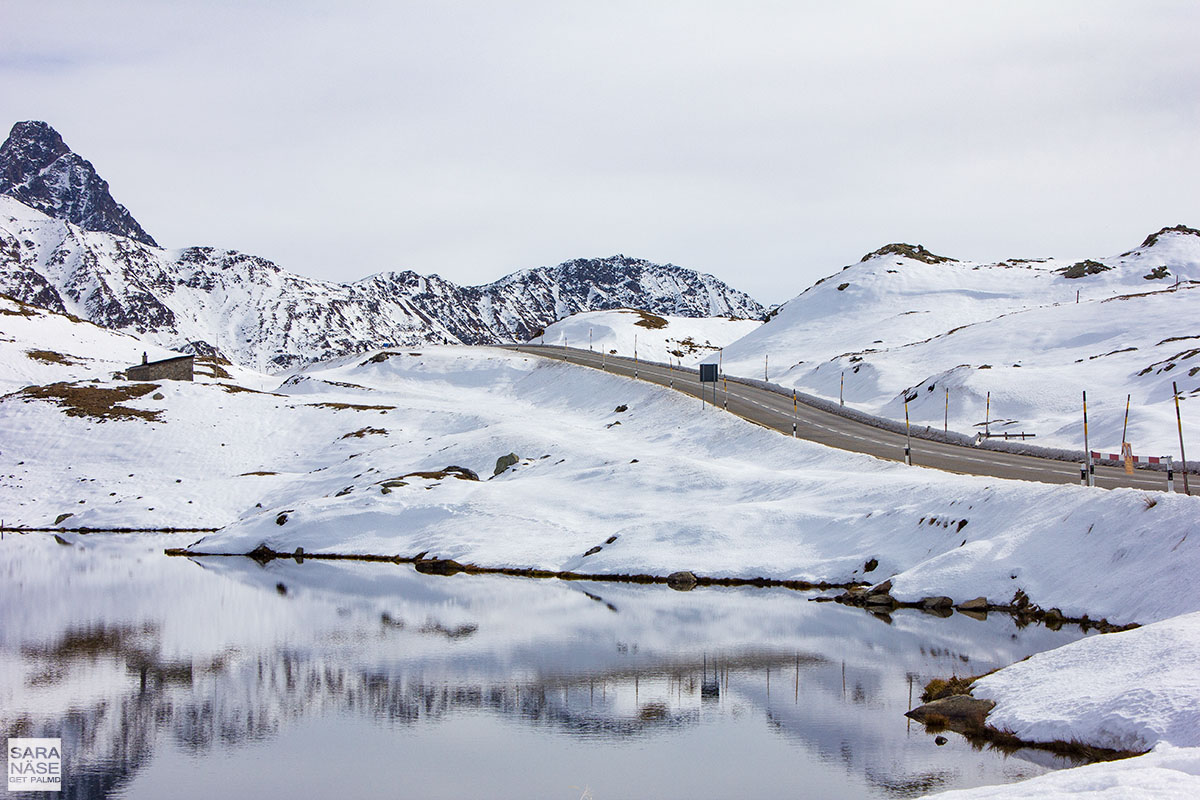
681	340
901	328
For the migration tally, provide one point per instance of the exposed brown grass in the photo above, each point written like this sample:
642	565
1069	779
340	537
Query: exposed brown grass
651	321
51	357
214	366
94	402
938	688
22	309
351	407
233	388
361	432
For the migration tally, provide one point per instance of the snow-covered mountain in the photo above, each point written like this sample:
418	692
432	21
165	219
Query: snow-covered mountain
904	323
37	168
208	300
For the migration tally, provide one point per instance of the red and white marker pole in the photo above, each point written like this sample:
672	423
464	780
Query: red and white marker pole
1182	455
1090	466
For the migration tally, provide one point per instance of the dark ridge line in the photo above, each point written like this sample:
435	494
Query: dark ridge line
10	529
438	566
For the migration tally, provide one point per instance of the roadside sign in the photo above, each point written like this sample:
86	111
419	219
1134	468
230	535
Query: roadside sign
708	373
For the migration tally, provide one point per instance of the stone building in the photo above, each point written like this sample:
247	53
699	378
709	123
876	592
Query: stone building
178	368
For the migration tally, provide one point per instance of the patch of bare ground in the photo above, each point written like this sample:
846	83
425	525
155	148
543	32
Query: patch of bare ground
381	357
368	431
213	366
651	321
22	309
100	403
257	472
350	407
51	357
462	473
233	388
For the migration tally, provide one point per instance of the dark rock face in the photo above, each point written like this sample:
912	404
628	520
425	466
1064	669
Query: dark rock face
37	168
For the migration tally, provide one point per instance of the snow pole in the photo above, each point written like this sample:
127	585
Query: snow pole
1125	427
604	360
635	364
795	413
726	383
1182	455
671	371
842	390
589	338
1091	467
987	417
765	378
1170	474
946	420
907	438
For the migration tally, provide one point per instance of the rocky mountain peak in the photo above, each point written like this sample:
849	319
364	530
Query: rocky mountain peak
915	252
1152	239
40	170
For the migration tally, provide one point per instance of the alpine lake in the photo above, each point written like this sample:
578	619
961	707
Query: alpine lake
220	677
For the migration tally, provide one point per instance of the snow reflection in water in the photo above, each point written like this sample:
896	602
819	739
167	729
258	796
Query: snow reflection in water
167	677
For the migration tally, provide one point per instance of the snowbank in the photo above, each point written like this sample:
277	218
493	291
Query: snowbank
1169	773
1124	691
677	488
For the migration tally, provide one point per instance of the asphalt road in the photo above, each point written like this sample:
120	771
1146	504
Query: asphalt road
775	411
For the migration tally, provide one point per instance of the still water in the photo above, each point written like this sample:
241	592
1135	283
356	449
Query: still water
166	677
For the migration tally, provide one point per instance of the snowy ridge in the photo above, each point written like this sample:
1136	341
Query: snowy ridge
248	309
67	246
37	168
900	326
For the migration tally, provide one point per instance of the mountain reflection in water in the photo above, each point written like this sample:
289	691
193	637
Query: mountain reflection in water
163	675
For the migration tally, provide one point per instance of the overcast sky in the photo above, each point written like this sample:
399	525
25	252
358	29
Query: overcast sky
769	143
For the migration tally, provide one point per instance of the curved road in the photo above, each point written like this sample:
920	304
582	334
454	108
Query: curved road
775	411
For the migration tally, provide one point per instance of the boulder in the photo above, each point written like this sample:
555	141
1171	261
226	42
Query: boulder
882	588
976	604
938	602
504	462
682	581
957	708
438	566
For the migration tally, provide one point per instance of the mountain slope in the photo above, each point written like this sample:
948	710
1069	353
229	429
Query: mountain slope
903	323
212	301
37	168
67	246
